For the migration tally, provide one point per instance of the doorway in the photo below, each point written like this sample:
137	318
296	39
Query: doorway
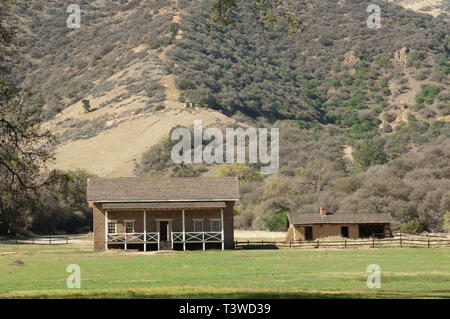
372	230
308	233
163	230
344	231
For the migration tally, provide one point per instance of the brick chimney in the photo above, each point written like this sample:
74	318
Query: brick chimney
323	211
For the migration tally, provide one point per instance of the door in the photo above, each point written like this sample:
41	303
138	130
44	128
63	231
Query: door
344	231
163	230
308	233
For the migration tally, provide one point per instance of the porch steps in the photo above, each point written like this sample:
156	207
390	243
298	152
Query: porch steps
165	245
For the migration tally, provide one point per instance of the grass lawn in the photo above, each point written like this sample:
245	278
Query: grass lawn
284	273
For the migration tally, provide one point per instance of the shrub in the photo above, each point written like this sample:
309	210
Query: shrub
447	220
86	106
427	93
244	173
275	221
420	76
389	117
369	153
414	226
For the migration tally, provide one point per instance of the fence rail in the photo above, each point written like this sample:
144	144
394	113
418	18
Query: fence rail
41	240
372	243
401	240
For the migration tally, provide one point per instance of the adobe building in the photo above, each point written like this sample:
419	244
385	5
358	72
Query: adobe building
163	213
321	225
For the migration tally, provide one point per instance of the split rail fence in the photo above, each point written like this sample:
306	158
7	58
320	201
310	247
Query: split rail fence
398	242
42	240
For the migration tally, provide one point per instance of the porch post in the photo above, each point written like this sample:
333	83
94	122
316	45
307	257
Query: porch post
221	228
106	230
125	234
184	232
145	230
203	239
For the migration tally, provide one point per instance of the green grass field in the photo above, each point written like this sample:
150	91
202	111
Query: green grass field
284	273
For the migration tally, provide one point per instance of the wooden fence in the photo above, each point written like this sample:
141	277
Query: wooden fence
41	240
400	242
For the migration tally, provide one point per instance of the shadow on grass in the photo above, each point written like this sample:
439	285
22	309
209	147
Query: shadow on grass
257	246
143	293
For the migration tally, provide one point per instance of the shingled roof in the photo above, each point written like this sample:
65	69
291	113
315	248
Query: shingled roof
307	219
132	189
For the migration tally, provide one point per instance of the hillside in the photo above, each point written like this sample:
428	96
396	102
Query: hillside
125	58
134	99
363	113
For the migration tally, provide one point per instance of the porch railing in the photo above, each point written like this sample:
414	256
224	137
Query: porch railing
133	238
197	237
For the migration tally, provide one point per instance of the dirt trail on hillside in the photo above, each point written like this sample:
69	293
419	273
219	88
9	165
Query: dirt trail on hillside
170	89
348	152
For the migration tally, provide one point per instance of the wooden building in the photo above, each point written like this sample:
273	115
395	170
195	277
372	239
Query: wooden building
354	226
163	213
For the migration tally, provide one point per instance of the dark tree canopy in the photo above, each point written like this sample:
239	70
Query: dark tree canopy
24	146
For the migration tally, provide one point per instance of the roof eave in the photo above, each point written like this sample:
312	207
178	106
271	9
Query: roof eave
164	200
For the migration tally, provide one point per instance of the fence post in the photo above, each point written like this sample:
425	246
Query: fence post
345	243
262	242
401	246
32	240
373	242
248	242
317	243
290	244
428	242
50	240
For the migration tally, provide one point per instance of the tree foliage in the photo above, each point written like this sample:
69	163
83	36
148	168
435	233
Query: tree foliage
369	153
270	12
242	172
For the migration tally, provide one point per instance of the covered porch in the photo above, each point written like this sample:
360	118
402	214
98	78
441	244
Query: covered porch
164	226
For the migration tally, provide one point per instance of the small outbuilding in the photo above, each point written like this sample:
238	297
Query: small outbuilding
353	226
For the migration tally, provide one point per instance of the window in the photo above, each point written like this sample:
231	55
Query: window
111	227
129	227
215	225
198	225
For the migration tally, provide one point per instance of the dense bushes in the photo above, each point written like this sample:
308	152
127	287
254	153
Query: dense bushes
304	77
60	208
313	173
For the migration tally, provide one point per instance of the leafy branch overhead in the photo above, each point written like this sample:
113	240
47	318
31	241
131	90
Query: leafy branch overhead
269	12
24	146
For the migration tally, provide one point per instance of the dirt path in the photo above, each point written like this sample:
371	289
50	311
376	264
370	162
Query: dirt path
258	234
348	152
170	90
